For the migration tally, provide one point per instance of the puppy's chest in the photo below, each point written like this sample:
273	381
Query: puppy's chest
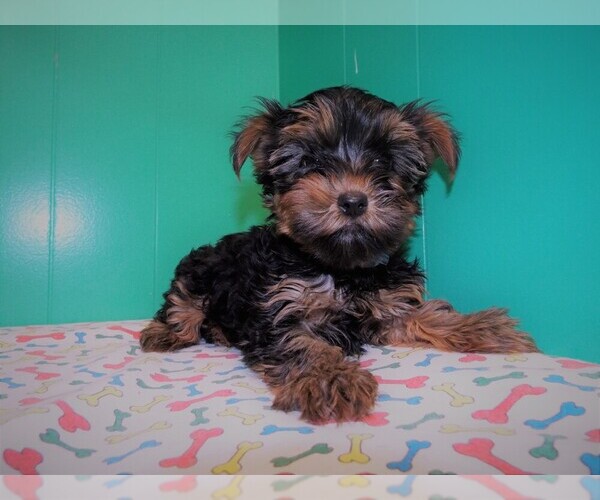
320	301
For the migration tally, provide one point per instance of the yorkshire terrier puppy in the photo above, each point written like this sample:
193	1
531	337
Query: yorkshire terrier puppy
342	172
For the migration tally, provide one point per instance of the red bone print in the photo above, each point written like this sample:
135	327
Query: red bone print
159	377
376	419
134	334
25	487
493	484
24	461
410	383
38	374
43	354
30	401
188	458
573	363
182	405
122	364
468	358
28	338
367	362
593	435
71	421
181	485
482	450
499	414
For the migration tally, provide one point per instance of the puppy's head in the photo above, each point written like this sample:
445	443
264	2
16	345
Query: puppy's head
342	171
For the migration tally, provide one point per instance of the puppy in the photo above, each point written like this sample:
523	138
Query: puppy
342	173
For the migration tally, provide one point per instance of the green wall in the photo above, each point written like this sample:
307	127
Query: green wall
114	159
518	228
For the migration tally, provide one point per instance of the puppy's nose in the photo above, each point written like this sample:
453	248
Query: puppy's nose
353	203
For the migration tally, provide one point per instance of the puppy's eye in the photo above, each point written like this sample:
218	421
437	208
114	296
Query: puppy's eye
318	166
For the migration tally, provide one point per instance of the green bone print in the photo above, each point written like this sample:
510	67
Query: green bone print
321	448
200	418
482	381
118	425
51	436
414	425
283	485
547	448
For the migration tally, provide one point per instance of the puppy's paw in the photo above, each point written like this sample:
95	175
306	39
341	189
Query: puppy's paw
341	394
158	337
497	332
437	324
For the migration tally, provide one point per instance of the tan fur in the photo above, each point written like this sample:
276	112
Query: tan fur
185	315
312	300
317	116
387	306
157	337
398	128
436	324
216	335
313	199
184	318
247	142
319	382
441	138
403	317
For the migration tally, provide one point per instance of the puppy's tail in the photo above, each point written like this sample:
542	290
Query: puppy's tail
178	322
436	323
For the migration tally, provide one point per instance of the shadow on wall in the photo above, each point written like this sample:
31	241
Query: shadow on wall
439	168
248	205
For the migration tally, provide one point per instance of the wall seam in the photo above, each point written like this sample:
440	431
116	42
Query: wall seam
156	162
277	56
52	194
424	264
344	14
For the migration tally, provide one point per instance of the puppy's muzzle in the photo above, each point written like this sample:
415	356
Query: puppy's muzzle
353	203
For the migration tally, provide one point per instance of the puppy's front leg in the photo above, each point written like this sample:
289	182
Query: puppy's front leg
436	323
177	323
307	374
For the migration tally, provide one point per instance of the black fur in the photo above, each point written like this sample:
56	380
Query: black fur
235	274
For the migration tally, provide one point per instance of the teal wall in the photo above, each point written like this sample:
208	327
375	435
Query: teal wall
114	159
518	228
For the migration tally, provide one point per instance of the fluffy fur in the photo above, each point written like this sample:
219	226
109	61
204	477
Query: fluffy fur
342	172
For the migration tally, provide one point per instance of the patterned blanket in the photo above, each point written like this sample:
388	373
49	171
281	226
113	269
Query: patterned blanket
302	487
83	399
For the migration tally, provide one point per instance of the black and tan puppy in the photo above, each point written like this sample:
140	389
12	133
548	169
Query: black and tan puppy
342	172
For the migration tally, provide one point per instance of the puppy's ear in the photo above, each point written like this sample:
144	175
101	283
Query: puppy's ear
254	135
441	139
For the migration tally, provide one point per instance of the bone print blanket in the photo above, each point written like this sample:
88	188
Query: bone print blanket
83	399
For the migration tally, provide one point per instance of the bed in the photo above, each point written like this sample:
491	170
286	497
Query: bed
83	399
